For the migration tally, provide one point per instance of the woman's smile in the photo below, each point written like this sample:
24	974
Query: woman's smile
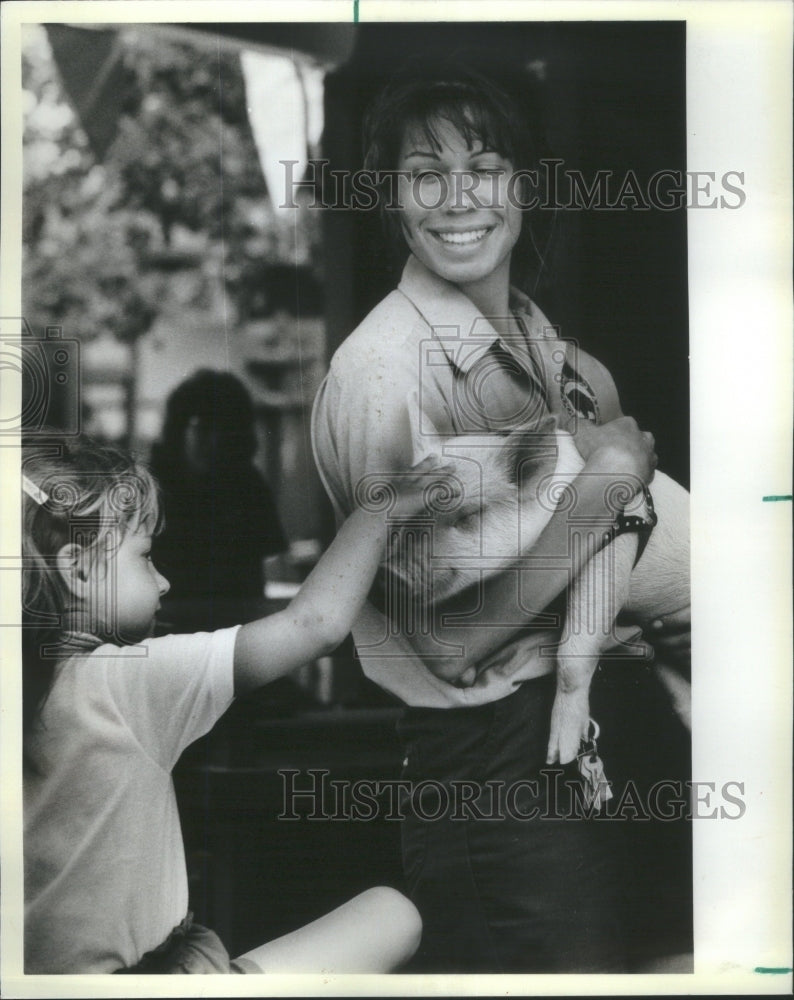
462	237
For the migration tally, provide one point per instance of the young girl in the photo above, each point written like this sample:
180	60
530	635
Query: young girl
108	711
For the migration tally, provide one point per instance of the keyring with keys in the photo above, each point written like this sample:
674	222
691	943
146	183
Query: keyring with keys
591	768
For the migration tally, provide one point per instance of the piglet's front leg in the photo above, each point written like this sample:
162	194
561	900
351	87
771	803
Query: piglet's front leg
594	600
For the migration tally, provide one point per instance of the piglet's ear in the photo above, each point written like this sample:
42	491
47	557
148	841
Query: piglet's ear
531	450
425	439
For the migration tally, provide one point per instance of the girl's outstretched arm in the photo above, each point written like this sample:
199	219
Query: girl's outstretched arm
323	612
377	931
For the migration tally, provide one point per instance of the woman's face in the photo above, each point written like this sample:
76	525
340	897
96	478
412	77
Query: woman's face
456	216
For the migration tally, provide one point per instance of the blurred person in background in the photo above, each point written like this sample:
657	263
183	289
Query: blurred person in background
221	520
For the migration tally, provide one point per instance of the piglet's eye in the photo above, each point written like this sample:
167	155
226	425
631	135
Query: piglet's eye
468	520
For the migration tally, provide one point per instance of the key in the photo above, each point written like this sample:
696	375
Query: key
591	768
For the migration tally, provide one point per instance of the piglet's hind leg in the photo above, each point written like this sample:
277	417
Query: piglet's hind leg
595	598
570	714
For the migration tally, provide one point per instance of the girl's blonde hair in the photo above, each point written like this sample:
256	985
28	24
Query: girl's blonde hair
75	491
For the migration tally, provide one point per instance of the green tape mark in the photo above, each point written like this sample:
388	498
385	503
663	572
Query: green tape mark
784	496
355	11
773	972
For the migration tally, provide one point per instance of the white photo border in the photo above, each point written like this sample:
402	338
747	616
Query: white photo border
739	117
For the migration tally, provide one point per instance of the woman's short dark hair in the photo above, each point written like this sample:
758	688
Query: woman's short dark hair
498	106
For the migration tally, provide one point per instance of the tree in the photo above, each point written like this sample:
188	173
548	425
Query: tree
179	187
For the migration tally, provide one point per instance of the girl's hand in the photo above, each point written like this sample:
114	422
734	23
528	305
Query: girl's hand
618	446
421	483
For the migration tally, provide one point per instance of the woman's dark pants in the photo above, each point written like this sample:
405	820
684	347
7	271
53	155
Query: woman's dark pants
500	858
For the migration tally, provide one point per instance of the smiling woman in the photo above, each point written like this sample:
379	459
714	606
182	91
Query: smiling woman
459	350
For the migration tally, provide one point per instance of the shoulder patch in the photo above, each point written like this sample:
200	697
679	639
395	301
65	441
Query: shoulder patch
577	395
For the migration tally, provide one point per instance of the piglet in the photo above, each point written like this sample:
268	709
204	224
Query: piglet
511	486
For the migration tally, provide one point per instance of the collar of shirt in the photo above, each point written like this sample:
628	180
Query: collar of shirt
462	331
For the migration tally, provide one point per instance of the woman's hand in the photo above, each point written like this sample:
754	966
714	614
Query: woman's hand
618	446
453	670
671	638
679	690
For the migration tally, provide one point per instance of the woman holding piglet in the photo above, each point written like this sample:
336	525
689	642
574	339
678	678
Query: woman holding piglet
507	885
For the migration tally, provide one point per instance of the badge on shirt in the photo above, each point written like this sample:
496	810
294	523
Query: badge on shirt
577	396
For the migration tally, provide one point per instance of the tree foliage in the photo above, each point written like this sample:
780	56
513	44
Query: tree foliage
180	185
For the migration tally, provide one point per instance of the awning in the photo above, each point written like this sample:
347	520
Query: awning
89	59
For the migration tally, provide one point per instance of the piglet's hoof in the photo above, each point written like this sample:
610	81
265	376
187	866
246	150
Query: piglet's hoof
570	721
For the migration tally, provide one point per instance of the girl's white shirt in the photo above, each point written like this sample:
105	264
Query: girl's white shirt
105	874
